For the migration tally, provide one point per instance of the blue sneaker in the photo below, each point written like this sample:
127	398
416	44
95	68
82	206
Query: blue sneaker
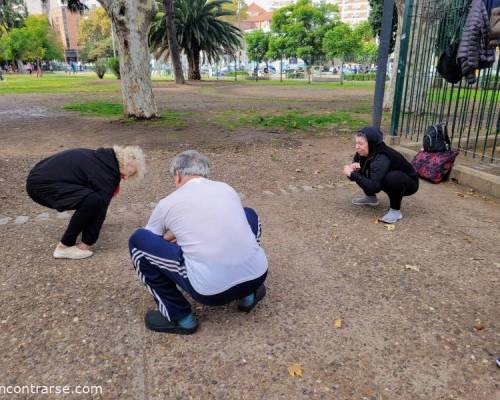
247	304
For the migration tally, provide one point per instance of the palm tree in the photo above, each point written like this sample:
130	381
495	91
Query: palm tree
199	29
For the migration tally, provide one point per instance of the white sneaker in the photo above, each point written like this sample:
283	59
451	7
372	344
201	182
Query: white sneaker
72	252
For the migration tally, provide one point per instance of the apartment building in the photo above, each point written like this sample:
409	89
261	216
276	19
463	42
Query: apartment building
64	22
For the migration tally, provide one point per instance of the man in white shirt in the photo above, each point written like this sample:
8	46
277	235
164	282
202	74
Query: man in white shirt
201	239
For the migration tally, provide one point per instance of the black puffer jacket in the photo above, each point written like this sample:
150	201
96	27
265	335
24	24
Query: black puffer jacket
474	51
63	180
381	160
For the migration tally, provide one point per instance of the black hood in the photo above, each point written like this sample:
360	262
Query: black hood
108	157
374	136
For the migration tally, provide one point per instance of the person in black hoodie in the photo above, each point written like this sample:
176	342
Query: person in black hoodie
377	167
83	180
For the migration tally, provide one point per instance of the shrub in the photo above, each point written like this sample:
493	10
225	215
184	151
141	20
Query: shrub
100	68
114	65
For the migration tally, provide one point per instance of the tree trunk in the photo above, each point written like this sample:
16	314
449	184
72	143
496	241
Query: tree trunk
308	70
172	41
342	71
132	22
281	69
389	93
194	65
235	68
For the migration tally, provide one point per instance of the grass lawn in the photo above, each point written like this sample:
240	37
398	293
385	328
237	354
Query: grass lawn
172	119
58	83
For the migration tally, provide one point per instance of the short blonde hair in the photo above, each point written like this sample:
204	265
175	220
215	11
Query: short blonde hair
131	155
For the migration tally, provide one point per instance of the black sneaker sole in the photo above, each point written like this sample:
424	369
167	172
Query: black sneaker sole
260	293
170	329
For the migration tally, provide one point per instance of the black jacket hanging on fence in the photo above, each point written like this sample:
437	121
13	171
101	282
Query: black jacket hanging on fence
494	28
63	180
474	51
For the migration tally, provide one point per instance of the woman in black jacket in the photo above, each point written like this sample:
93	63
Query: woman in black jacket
83	180
377	167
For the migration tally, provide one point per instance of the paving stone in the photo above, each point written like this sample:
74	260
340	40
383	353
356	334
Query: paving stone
43	216
21	219
63	215
4	220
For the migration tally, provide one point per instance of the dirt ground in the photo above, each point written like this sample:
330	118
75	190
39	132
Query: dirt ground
409	299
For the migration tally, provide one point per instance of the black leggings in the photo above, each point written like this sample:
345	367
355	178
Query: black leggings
397	184
87	220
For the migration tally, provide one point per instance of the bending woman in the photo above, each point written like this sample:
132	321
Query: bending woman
377	167
83	180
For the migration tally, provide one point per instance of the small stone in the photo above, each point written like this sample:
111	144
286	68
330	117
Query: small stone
21	219
307	188
4	220
75	319
268	193
43	216
63	215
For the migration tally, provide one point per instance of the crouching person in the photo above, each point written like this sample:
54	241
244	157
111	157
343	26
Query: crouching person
83	180
200	239
377	167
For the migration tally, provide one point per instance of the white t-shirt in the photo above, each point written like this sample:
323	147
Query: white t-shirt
208	220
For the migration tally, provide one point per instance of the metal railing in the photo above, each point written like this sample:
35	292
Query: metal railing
423	97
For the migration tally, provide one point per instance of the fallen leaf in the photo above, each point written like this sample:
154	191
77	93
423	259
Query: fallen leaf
337	323
460	194
468	239
390	227
412	267
375	221
299	170
478	325
334	236
295	369
498	265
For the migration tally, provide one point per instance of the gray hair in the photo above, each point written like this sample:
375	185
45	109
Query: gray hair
189	163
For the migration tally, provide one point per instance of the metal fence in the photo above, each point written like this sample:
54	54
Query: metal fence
423	97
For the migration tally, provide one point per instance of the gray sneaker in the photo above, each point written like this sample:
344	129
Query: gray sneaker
391	217
365	201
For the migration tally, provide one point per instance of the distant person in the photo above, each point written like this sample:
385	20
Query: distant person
199	239
29	68
83	180
377	167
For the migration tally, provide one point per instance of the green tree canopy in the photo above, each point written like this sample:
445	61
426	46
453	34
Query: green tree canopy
32	42
257	45
94	37
342	42
375	20
368	52
12	14
302	27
